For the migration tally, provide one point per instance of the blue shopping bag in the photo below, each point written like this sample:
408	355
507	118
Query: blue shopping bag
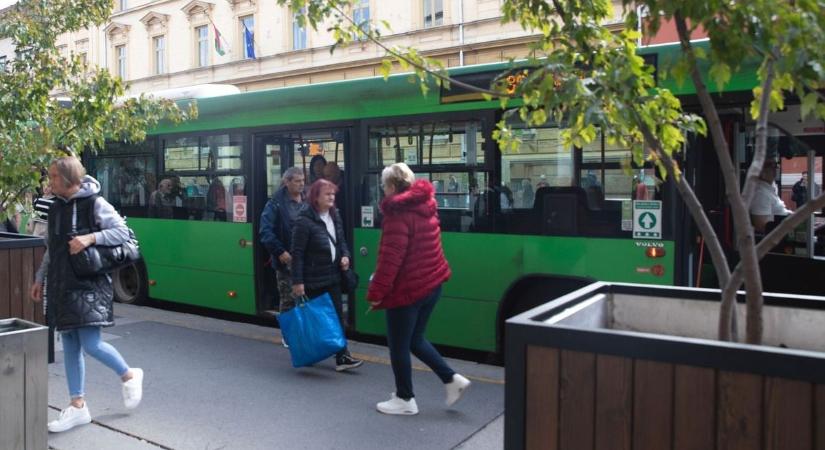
312	330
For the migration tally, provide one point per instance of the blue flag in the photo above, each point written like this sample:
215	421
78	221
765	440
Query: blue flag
249	42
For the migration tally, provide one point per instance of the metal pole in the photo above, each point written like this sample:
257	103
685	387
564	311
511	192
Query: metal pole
460	32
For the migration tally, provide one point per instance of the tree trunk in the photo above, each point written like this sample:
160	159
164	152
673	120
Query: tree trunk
739	211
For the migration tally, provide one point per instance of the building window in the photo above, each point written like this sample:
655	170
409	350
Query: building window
82	56
361	15
299	32
159	45
3	63
123	5
120	54
202	38
248	33
433	13
63	50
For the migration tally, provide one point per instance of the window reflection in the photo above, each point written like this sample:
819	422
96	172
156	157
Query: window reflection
201	179
125	182
542	161
198	197
459	142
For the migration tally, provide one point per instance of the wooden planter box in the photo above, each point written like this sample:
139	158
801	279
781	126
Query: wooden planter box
618	366
20	257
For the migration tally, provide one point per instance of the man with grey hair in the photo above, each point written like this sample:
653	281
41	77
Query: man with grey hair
276	231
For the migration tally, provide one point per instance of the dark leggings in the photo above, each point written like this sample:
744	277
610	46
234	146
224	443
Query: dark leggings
405	334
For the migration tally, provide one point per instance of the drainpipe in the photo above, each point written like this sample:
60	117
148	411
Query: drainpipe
461	32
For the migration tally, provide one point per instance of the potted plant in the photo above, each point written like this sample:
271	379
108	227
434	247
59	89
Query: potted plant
623	366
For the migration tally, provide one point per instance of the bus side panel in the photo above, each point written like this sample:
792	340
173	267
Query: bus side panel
483	267
617	260
199	263
224	291
457	322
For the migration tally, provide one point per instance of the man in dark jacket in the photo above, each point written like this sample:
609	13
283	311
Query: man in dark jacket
275	231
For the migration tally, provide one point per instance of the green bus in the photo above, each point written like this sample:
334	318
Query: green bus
518	228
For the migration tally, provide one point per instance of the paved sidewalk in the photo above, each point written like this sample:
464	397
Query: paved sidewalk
212	384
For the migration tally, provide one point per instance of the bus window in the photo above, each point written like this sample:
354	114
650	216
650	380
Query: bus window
198	198
433	143
462	198
542	161
126	181
202	179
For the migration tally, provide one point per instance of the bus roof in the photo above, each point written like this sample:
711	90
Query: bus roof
375	97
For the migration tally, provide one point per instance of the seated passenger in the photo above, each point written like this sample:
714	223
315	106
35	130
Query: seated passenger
164	200
766	203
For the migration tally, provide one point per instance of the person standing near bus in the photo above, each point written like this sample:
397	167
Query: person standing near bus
766	204
38	225
320	254
407	283
79	306
275	228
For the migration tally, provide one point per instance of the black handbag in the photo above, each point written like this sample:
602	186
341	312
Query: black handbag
349	280
101	259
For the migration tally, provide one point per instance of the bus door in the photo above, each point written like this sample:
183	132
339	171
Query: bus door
320	154
799	148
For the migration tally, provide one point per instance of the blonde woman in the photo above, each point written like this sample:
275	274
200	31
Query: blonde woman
407	283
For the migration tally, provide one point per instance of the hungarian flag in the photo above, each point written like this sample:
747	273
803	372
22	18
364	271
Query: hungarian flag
218	42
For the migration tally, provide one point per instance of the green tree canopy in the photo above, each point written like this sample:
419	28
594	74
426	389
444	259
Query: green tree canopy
50	101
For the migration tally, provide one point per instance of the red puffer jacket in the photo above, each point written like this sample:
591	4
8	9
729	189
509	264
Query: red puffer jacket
411	261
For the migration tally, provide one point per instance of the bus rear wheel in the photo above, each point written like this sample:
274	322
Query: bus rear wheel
129	284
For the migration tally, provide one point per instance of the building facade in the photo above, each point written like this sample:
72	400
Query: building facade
256	44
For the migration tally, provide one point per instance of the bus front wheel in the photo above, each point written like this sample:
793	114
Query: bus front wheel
129	284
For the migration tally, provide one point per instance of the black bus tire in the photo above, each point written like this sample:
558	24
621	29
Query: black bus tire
530	291
130	285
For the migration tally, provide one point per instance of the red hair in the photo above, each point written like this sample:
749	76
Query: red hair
315	191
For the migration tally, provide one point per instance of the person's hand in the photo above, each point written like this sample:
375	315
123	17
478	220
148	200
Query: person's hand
298	290
36	292
344	263
285	258
79	243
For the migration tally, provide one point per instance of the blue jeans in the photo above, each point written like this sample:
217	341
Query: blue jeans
87	338
405	334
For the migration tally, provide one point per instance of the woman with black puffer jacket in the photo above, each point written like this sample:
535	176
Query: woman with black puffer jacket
320	254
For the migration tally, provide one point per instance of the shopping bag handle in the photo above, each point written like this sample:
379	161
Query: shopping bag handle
301	300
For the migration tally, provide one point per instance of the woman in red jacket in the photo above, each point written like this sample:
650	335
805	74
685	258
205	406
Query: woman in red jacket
407	283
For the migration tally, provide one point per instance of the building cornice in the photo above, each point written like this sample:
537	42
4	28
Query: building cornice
196	7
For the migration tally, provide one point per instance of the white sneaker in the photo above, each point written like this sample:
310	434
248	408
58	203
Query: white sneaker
455	388
70	418
133	389
398	406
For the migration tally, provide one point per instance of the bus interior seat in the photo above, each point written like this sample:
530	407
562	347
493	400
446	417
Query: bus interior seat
562	209
595	197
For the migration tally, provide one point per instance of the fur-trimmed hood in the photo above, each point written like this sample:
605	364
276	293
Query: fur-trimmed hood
419	198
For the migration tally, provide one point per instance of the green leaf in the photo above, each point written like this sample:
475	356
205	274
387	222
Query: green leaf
809	102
